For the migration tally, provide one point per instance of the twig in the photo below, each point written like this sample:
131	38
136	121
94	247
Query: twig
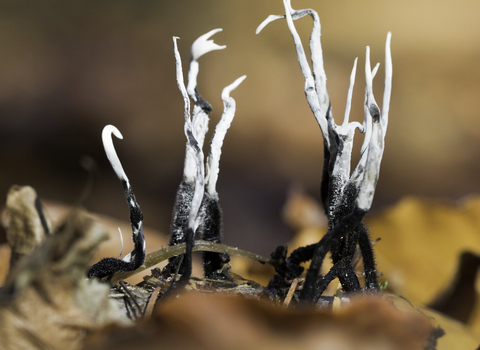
290	293
151	303
158	256
337	299
132	297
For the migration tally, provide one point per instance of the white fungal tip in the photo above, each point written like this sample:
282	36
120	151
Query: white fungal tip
388	53
111	129
110	150
228	89
202	45
348	105
388	82
368	70
375	70
269	19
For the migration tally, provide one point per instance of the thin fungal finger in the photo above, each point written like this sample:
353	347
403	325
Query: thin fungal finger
219	135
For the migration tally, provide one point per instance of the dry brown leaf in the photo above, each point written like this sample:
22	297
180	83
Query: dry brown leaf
4	261
109	248
457	335
412	220
25	224
421	242
47	303
155	240
196	321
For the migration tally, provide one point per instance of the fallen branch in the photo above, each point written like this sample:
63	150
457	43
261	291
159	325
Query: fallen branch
158	256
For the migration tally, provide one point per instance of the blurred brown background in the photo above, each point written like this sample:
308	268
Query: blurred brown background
67	68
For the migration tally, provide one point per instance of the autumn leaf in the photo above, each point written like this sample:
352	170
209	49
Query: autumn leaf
421	241
198	321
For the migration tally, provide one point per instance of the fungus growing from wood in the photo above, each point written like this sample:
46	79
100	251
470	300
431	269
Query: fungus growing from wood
108	266
346	197
207	219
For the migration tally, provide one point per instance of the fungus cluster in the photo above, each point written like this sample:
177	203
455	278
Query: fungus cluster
196	210
346	196
132	261
196	206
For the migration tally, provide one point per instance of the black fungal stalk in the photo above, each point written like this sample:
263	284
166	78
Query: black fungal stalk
211	231
346	197
181	211
108	266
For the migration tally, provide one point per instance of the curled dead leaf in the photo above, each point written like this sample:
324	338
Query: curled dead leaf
196	321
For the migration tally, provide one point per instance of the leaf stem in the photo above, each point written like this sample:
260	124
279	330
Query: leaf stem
158	256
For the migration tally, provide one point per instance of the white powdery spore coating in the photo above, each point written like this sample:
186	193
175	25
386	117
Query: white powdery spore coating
365	175
128	257
200	47
377	141
388	82
372	169
190	167
192	143
193	217
112	156
220	132
309	88
200	121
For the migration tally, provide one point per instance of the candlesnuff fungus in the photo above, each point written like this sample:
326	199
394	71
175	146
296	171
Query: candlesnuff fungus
211	227
132	261
190	194
209	221
346	198
199	128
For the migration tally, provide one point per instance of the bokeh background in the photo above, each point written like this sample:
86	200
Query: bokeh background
67	68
